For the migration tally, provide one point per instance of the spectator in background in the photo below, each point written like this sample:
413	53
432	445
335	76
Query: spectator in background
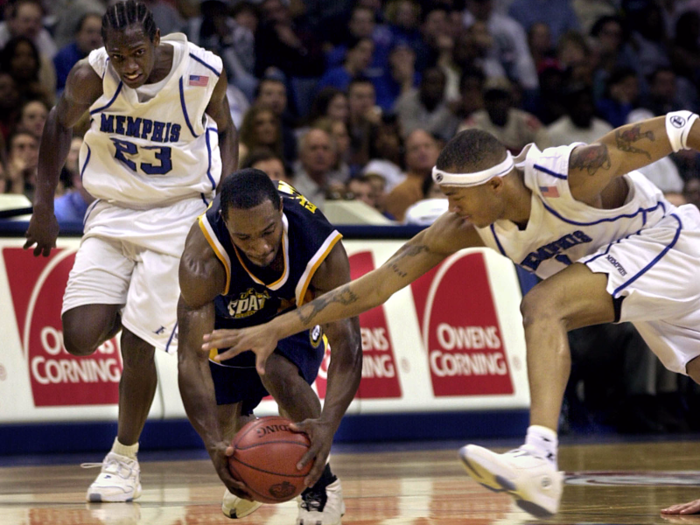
72	205
272	93
685	49
404	17
247	15
268	161
559	15
425	108
330	102
23	18
87	38
362	24
165	15
357	58
21	60
509	42
513	127
218	32
574	56
474	48
260	129
399	78
338	131
10	104
22	162
316	158
68	14
580	123
386	152
363	116
433	204
471	88
648	37
663	94
539	41
33	117
548	106
422	151
611	43
434	30
292	47
620	96
362	189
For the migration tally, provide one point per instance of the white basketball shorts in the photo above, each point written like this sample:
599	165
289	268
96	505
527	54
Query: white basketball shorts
657	273
131	258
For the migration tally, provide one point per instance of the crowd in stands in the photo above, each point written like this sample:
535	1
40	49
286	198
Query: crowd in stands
354	99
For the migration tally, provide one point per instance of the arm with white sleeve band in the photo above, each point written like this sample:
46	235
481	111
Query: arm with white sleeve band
678	124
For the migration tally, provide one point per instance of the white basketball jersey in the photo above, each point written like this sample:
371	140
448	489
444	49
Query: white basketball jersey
561	229
159	151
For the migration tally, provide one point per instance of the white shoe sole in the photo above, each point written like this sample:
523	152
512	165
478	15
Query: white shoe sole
494	477
233	513
97	497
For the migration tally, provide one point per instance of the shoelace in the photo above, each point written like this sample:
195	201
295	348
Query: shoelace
111	466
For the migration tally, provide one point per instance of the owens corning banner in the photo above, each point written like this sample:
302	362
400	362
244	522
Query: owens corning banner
453	340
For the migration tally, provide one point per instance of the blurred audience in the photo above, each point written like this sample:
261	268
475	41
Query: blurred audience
268	161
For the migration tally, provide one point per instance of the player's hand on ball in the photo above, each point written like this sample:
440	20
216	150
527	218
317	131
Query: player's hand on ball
321	437
219	457
42	231
259	339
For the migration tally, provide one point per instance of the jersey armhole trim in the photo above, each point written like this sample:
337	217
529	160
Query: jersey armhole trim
313	264
219	250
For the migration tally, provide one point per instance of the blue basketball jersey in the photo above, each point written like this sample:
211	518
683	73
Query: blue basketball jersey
249	297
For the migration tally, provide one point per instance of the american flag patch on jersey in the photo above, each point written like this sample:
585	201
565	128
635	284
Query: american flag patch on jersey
198	80
549	191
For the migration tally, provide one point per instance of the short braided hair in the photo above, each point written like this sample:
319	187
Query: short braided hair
124	14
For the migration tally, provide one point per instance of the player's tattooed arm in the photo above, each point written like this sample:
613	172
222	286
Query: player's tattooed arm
405	252
625	137
343	295
590	159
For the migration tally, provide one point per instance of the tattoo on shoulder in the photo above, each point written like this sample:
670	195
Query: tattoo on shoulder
342	295
625	138
591	158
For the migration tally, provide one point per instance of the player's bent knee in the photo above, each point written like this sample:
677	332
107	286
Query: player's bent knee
77	344
537	307
693	369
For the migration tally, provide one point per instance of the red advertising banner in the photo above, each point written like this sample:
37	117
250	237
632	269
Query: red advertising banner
57	377
379	372
460	329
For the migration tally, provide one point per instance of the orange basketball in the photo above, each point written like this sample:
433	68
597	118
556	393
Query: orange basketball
265	455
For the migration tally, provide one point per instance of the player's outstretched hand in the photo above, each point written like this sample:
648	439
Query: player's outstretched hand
42	231
321	437
219	457
259	339
692	507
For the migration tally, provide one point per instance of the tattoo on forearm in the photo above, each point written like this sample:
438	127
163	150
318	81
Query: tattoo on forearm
342	295
405	252
591	158
625	138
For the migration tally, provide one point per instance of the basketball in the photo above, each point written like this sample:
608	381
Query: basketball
265	455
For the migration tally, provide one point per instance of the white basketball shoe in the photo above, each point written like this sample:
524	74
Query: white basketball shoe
119	480
530	479
234	507
324	507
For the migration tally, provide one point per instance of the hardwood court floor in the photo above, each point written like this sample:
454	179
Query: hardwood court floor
607	484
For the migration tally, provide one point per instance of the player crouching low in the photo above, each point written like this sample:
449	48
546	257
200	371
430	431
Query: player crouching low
259	251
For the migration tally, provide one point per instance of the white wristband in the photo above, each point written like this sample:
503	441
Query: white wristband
678	124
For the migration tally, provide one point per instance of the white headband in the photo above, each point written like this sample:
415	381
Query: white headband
475	178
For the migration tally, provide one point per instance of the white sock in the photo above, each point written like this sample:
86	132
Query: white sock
544	442
125	450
